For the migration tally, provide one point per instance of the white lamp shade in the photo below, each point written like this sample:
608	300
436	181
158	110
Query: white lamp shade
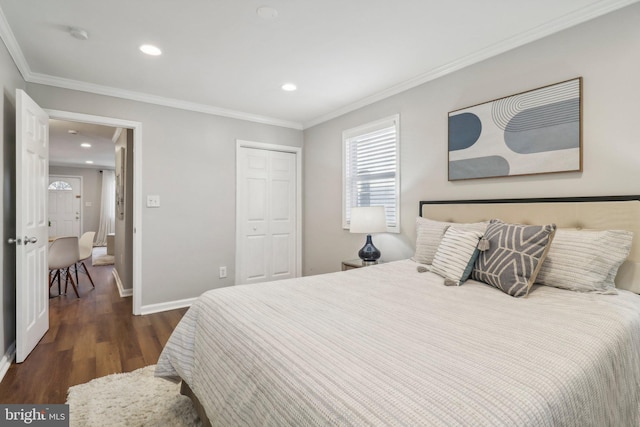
370	219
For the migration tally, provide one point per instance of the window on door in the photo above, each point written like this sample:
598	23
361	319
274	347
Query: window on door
60	185
371	169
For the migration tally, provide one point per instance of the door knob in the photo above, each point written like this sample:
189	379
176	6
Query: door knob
28	240
11	241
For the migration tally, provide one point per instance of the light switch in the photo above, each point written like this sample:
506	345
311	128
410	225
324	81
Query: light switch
153	201
88	204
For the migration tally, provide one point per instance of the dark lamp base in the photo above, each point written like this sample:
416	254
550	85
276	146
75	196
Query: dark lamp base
369	254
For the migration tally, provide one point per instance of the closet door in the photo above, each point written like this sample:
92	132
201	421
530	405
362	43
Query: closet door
266	215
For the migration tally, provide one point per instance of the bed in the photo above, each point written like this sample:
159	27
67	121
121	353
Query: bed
392	345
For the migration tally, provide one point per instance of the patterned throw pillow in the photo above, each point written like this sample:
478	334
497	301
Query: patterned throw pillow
456	255
514	256
585	260
430	233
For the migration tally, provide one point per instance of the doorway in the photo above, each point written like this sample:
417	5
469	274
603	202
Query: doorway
135	131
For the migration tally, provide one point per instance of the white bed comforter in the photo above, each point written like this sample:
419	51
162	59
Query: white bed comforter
386	345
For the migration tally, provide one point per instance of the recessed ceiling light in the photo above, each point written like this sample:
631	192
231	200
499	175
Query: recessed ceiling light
289	87
89	162
150	50
267	12
85	145
72	131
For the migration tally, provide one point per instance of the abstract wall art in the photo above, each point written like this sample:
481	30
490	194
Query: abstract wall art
534	132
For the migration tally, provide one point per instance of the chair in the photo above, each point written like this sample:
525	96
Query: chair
86	248
64	252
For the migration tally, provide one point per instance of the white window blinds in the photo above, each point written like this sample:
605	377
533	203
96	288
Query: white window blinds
371	169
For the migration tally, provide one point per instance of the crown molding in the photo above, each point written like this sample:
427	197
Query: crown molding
116	134
30	77
557	25
64	83
12	46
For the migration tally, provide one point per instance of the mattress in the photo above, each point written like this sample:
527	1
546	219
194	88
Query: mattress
387	345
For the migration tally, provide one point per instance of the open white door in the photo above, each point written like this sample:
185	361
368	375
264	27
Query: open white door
32	174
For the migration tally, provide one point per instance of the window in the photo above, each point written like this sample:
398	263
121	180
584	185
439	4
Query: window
371	169
60	185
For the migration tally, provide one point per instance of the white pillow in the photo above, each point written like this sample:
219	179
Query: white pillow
585	260
456	255
429	234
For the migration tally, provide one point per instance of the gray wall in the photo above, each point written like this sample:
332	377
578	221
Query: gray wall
91	190
10	80
604	51
188	159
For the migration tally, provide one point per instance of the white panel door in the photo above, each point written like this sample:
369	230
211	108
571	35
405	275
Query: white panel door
266	215
32	172
64	206
282	214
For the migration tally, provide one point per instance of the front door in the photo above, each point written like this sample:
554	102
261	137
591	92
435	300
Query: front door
32	172
64	206
267	246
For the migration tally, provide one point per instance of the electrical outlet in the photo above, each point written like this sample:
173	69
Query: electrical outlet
223	272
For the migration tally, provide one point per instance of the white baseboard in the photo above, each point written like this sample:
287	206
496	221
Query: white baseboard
123	292
166	306
152	308
5	362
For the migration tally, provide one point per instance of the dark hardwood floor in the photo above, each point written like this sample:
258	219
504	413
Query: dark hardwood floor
88	337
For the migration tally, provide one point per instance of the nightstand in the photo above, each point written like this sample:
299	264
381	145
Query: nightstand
353	263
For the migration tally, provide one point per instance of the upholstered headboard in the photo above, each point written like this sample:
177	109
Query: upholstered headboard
597	213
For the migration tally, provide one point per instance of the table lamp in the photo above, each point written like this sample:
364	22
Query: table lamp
369	219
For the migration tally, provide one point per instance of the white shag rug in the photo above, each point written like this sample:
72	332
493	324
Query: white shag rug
132	399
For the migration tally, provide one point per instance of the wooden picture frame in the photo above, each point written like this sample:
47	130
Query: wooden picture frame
533	132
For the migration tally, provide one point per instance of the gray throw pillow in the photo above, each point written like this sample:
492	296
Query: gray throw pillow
514	257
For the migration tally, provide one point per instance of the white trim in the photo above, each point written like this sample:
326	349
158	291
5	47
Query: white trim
166	306
286	149
569	20
47	80
116	135
557	25
81	195
7	359
121	290
13	47
137	188
363	129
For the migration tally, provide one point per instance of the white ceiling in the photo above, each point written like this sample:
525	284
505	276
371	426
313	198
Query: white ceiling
65	149
220	57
